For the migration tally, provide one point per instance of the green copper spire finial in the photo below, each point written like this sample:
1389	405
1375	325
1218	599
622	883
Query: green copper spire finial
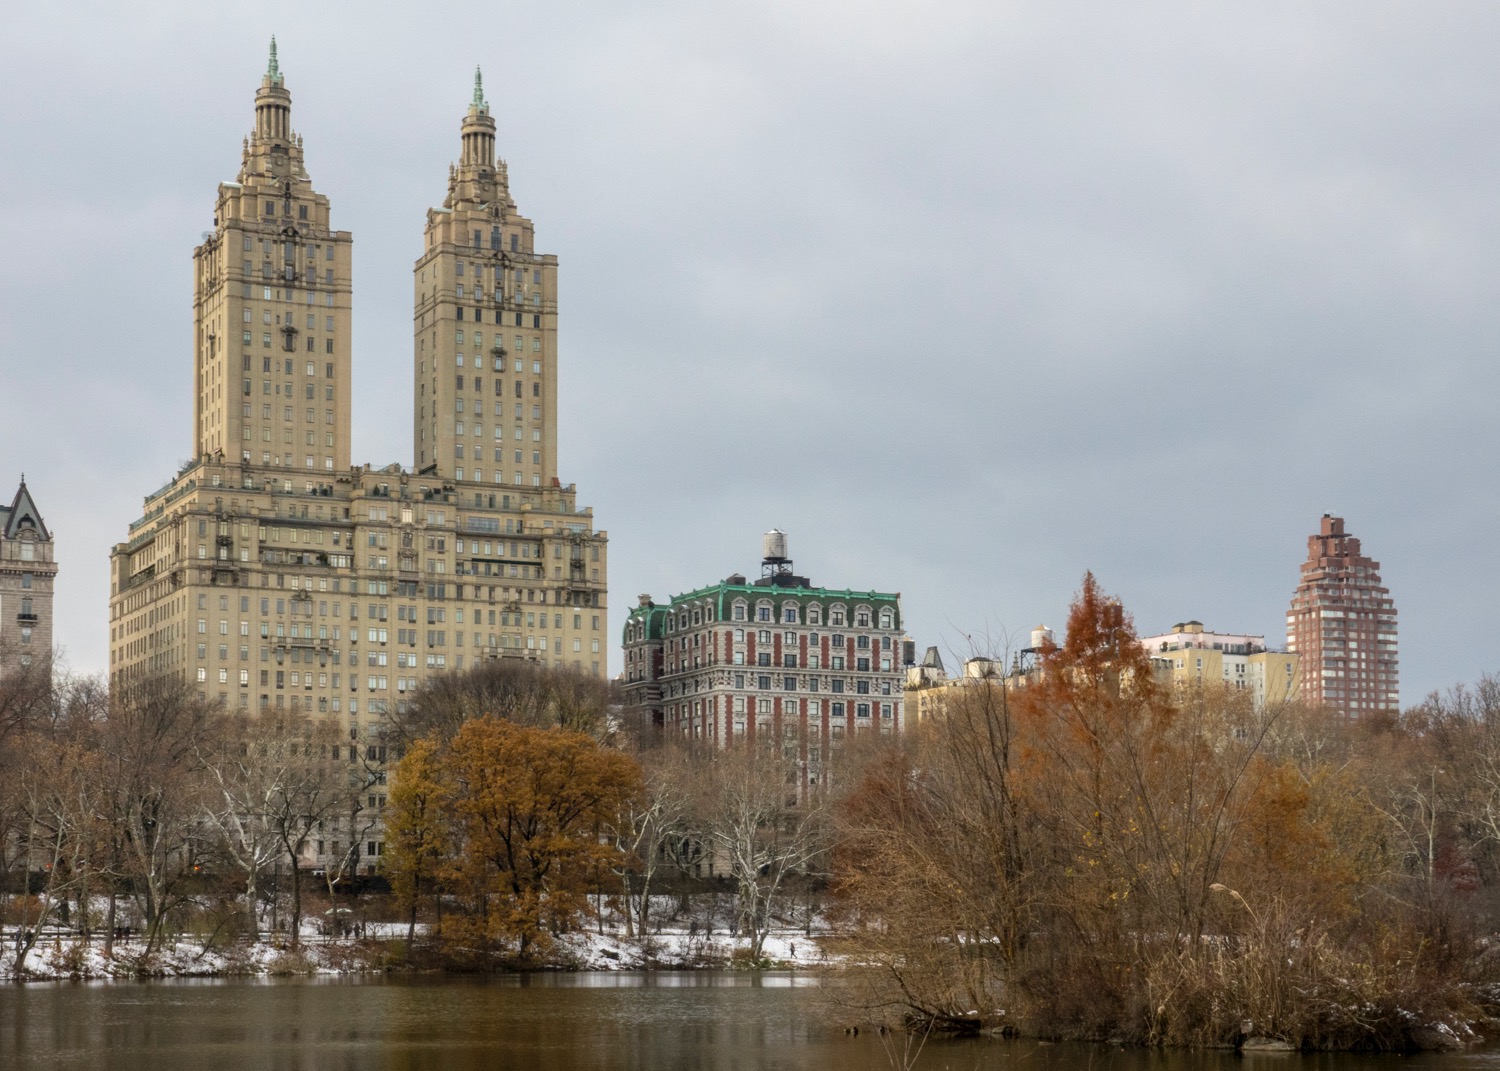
478	89
273	69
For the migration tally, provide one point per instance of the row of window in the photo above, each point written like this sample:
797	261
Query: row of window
265	342
477	315
373	612
790	613
477	475
520	318
478	385
516	432
267	270
269	293
836	709
249	315
477	269
269	207
269	459
477	361
765	682
814	661
764	637
478	410
477	454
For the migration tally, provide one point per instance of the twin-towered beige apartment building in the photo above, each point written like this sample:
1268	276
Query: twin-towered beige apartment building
273	573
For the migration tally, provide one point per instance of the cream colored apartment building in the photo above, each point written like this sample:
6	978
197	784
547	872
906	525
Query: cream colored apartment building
1190	656
276	575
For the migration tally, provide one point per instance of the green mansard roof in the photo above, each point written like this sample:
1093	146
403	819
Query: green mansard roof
724	594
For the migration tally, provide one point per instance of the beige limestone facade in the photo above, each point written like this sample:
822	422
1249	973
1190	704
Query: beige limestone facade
28	575
485	329
272	286
276	575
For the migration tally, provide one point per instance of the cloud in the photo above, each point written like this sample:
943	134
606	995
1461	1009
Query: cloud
968	299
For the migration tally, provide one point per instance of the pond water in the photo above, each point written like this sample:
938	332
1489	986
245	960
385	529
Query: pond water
718	1021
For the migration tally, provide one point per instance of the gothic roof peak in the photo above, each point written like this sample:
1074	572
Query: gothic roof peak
22	514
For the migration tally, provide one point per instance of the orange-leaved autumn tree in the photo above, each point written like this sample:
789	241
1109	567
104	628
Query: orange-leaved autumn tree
532	812
418	835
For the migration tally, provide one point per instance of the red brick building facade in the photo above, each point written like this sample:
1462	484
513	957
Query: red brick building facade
1342	626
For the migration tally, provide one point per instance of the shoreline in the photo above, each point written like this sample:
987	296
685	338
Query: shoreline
62	959
59	960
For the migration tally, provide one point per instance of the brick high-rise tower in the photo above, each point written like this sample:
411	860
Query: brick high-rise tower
1342	626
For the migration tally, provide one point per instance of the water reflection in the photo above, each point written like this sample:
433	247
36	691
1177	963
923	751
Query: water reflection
576	1022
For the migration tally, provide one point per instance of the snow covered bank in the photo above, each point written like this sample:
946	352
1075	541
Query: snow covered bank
58	958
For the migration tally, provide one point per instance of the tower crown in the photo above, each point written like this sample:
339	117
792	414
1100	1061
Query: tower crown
273	105
478	158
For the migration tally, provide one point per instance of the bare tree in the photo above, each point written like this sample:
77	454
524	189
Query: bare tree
746	809
510	688
651	831
150	748
313	788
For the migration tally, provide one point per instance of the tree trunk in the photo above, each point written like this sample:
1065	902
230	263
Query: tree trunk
296	903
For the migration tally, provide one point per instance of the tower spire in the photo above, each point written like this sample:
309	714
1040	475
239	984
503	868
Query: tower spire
273	69
479	101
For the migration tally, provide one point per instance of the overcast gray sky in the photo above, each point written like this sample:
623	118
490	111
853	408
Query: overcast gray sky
967	297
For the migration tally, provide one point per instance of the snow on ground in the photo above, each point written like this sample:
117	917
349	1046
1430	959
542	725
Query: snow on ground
69	957
685	950
58	957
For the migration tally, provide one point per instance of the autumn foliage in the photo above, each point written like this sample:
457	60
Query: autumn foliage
511	825
1087	853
